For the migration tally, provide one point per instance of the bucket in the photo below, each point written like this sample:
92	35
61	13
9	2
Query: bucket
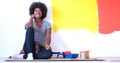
84	54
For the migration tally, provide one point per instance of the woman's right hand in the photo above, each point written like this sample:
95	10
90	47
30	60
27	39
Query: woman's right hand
32	17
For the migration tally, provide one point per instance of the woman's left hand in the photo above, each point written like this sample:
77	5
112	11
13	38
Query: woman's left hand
48	47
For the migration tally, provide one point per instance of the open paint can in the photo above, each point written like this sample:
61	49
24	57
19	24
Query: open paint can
84	54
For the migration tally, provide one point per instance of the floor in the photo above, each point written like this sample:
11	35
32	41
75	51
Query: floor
63	60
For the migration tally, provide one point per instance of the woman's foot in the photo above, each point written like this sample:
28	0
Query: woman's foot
30	56
37	48
17	56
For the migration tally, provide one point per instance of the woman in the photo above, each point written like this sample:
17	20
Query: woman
38	34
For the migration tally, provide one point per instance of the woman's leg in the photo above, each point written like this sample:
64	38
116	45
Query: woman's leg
29	45
43	54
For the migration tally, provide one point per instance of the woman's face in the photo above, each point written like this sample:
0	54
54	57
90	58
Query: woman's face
37	13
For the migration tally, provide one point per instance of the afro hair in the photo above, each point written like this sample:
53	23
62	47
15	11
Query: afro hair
39	5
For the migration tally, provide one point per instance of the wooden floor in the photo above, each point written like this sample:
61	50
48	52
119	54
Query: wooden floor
63	60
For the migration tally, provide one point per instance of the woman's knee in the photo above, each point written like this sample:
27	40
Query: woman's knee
30	31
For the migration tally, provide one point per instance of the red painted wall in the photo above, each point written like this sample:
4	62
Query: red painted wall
109	15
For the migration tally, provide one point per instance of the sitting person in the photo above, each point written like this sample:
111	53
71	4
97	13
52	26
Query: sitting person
38	34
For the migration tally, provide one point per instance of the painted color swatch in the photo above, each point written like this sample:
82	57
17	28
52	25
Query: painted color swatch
75	14
101	16
109	16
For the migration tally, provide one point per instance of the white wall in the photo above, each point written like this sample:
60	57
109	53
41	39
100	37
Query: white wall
100	45
15	13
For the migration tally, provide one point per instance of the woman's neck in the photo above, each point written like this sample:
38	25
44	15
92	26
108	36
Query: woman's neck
38	20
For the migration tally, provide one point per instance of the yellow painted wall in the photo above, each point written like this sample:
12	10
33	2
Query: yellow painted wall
75	14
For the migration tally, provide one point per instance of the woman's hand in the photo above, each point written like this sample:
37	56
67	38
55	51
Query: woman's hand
48	47
32	17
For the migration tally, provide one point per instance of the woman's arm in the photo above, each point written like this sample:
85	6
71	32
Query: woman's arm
30	23
48	38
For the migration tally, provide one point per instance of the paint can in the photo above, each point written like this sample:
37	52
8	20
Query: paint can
84	54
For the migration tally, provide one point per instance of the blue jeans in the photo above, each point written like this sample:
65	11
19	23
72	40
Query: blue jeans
29	47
